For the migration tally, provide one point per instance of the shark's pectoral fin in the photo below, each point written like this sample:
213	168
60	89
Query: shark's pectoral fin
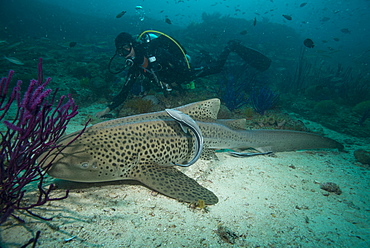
173	183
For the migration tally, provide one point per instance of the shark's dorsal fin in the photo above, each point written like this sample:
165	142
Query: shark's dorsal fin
202	111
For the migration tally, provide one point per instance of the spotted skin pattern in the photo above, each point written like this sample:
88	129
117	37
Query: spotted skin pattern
141	147
145	148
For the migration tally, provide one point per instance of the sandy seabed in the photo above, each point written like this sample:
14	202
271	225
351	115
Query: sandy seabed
264	201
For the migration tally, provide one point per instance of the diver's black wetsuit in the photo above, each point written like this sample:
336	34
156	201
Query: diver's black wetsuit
161	61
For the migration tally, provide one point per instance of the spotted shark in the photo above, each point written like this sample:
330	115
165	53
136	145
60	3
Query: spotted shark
147	148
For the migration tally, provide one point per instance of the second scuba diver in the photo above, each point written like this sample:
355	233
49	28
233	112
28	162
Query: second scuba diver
163	61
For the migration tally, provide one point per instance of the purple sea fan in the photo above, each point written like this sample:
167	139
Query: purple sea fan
33	130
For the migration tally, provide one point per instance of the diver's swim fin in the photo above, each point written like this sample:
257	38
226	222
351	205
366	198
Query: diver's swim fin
250	56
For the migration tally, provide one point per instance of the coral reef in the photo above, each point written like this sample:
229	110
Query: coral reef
233	85
362	156
275	120
232	94
33	131
263	99
139	105
326	107
343	121
361	107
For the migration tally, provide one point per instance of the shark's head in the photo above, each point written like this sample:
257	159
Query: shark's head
73	163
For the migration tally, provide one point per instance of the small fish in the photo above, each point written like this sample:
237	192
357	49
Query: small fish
244	32
336	39
289	18
168	21
72	44
121	14
302	5
255	21
14	60
325	19
281	69
308	43
345	31
14	45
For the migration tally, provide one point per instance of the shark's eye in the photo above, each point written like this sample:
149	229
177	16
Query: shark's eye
85	165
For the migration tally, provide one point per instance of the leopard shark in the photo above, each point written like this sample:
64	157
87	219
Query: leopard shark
148	147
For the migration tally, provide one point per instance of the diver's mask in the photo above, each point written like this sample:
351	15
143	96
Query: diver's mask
122	52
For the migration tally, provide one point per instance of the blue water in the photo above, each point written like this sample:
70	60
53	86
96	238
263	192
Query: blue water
328	84
68	19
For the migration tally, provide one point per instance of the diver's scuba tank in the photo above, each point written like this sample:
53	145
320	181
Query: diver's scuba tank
146	37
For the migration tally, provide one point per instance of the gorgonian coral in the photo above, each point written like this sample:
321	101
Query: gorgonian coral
37	122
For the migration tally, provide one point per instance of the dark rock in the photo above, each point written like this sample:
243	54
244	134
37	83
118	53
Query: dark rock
226	234
224	113
362	156
331	187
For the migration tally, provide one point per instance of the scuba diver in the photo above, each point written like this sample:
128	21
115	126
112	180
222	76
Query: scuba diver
161	59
